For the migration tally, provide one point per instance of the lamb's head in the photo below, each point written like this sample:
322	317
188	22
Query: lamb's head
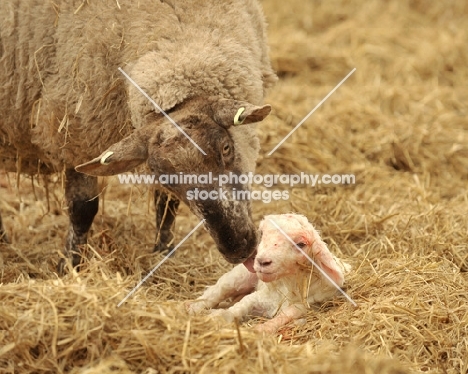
278	257
215	125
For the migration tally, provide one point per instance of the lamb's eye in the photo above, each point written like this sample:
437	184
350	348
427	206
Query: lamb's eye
226	149
301	244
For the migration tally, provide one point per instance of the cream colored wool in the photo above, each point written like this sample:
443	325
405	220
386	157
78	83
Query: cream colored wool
64	101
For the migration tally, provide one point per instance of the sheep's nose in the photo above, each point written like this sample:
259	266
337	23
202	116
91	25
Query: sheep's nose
264	261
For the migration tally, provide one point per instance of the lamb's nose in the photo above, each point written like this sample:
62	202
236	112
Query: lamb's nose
264	261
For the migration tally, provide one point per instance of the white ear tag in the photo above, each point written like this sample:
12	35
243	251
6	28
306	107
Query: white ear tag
105	157
236	117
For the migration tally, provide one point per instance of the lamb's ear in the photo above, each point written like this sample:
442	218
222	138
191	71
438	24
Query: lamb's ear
325	260
227	112
120	157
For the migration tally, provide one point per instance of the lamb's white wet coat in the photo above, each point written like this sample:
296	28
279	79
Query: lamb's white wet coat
285	282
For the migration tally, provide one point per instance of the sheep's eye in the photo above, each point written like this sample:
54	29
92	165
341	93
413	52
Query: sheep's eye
226	149
301	244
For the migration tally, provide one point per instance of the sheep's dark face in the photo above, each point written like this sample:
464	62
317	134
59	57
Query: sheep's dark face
171	153
193	177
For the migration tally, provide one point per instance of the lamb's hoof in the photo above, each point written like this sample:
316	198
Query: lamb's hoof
195	307
224	314
264	328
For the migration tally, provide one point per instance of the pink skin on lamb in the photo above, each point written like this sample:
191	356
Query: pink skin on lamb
284	282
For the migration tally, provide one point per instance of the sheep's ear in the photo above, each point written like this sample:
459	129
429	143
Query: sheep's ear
325	260
227	112
120	157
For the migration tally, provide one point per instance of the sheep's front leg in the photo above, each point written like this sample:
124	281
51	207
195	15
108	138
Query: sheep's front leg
239	281
166	209
81	193
290	313
3	235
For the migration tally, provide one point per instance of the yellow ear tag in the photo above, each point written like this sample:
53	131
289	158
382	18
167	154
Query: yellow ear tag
105	157
236	117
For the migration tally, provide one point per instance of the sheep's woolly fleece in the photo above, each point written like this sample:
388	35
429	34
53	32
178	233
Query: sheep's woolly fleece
400	124
62	71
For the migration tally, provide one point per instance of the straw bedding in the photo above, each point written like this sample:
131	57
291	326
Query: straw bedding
399	124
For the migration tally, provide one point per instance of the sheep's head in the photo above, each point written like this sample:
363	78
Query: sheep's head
278	257
215	125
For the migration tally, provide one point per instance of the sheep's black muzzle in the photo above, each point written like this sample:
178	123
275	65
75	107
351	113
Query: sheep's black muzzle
231	227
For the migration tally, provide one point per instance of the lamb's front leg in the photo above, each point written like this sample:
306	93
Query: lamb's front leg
288	314
248	305
238	281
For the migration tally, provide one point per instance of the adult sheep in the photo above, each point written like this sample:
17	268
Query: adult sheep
64	101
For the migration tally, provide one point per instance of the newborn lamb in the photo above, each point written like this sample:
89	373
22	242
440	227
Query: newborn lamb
285	282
